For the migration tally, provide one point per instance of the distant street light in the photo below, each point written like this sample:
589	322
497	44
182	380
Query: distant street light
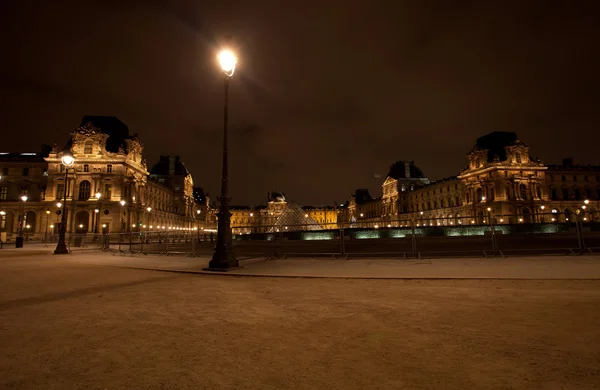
223	257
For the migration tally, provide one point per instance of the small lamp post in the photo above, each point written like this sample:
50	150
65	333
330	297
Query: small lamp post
22	219
61	248
121	219
47	223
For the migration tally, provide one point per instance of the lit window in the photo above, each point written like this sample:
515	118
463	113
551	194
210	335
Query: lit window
60	191
107	191
88	147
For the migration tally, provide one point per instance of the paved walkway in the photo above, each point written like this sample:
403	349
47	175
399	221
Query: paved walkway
532	267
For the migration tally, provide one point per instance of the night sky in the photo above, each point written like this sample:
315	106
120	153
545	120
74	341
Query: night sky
326	92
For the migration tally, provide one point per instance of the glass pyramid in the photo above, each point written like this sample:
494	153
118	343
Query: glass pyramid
294	219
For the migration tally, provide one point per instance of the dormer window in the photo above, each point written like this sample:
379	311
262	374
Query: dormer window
518	158
87	149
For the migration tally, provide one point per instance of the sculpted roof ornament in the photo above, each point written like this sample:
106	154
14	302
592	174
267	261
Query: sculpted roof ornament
88	129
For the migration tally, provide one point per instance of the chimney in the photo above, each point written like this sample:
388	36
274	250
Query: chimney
171	166
407	169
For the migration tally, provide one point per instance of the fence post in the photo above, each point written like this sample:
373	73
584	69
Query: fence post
579	231
342	243
413	240
142	238
193	247
167	240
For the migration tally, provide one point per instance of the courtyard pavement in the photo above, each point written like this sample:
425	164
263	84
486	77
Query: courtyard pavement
524	267
89	321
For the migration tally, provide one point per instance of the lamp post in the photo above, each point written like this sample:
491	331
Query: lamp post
121	219
95	216
97	221
58	212
19	240
223	257
22	219
47	223
61	248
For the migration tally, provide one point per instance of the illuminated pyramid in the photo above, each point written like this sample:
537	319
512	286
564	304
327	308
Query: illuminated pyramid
294	219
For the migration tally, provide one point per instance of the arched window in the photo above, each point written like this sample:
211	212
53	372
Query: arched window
565	192
88	147
518	158
577	194
523	191
479	197
84	190
508	194
554	195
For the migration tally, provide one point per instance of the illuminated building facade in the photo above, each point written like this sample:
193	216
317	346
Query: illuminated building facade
108	189
501	181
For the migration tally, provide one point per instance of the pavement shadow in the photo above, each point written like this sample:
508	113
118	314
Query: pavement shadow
77	293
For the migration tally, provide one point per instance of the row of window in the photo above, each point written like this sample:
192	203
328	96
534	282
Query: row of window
574	177
86	168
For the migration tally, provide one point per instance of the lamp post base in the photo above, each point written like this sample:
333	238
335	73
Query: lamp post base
223	260
61	250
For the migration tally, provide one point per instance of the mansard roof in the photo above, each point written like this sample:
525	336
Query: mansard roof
398	170
495	144
161	168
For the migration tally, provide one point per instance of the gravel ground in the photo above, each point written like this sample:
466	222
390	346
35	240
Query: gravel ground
75	326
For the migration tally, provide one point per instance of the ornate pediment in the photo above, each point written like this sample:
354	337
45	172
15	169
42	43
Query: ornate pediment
88	129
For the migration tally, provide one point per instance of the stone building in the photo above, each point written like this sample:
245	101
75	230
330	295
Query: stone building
108	189
501	181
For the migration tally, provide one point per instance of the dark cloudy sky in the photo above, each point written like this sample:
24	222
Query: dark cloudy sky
327	92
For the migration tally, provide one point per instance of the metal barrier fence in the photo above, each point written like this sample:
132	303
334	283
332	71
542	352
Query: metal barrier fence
387	238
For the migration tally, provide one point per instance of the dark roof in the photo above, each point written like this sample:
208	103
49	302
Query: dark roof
362	196
161	168
495	142
199	195
22	157
276	197
397	170
116	130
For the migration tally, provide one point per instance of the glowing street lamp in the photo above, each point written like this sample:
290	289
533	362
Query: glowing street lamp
223	257
61	248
